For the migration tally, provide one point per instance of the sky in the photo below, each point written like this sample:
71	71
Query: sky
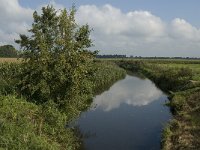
132	27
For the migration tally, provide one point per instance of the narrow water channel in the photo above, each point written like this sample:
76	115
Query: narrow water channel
129	116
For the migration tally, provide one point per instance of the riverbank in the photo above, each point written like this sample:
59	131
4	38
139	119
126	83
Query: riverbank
181	80
27	125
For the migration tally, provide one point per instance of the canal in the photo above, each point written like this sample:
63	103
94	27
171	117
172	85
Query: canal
129	116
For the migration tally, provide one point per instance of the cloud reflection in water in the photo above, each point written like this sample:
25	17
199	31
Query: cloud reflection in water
128	92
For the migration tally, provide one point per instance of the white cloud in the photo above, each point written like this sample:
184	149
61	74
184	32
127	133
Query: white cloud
139	32
53	3
14	20
124	92
111	20
116	30
184	30
132	33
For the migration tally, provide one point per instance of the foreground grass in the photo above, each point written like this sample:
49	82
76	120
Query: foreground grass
181	79
26	125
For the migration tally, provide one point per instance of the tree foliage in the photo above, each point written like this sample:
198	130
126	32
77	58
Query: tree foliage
8	51
56	60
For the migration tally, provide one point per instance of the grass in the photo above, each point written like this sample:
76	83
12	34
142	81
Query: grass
24	125
106	74
195	68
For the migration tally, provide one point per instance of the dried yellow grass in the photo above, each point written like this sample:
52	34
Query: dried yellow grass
10	60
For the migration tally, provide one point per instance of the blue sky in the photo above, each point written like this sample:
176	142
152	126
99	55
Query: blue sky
131	27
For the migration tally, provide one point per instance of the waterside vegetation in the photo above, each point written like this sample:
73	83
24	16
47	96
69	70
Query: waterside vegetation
27	125
181	80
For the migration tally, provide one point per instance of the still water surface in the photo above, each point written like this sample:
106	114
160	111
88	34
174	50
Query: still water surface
129	116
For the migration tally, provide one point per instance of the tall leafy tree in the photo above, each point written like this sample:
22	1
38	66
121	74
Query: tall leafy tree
56	60
8	51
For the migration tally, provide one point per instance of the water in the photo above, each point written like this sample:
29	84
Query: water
129	116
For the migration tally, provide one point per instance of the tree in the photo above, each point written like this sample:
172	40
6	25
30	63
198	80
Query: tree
8	51
56	60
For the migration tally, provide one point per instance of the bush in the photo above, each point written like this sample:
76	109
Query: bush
56	60
24	125
8	51
8	77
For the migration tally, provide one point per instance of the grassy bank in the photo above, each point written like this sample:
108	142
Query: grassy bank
105	75
181	80
27	125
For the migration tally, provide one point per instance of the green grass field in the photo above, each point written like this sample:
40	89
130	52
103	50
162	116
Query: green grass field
195	68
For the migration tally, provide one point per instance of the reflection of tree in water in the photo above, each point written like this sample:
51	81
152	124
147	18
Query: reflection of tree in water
136	74
82	136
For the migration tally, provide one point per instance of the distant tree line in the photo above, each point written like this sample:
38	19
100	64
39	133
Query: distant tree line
141	57
111	56
8	51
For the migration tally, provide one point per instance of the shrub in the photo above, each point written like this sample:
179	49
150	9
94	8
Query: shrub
24	125
56	60
8	77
